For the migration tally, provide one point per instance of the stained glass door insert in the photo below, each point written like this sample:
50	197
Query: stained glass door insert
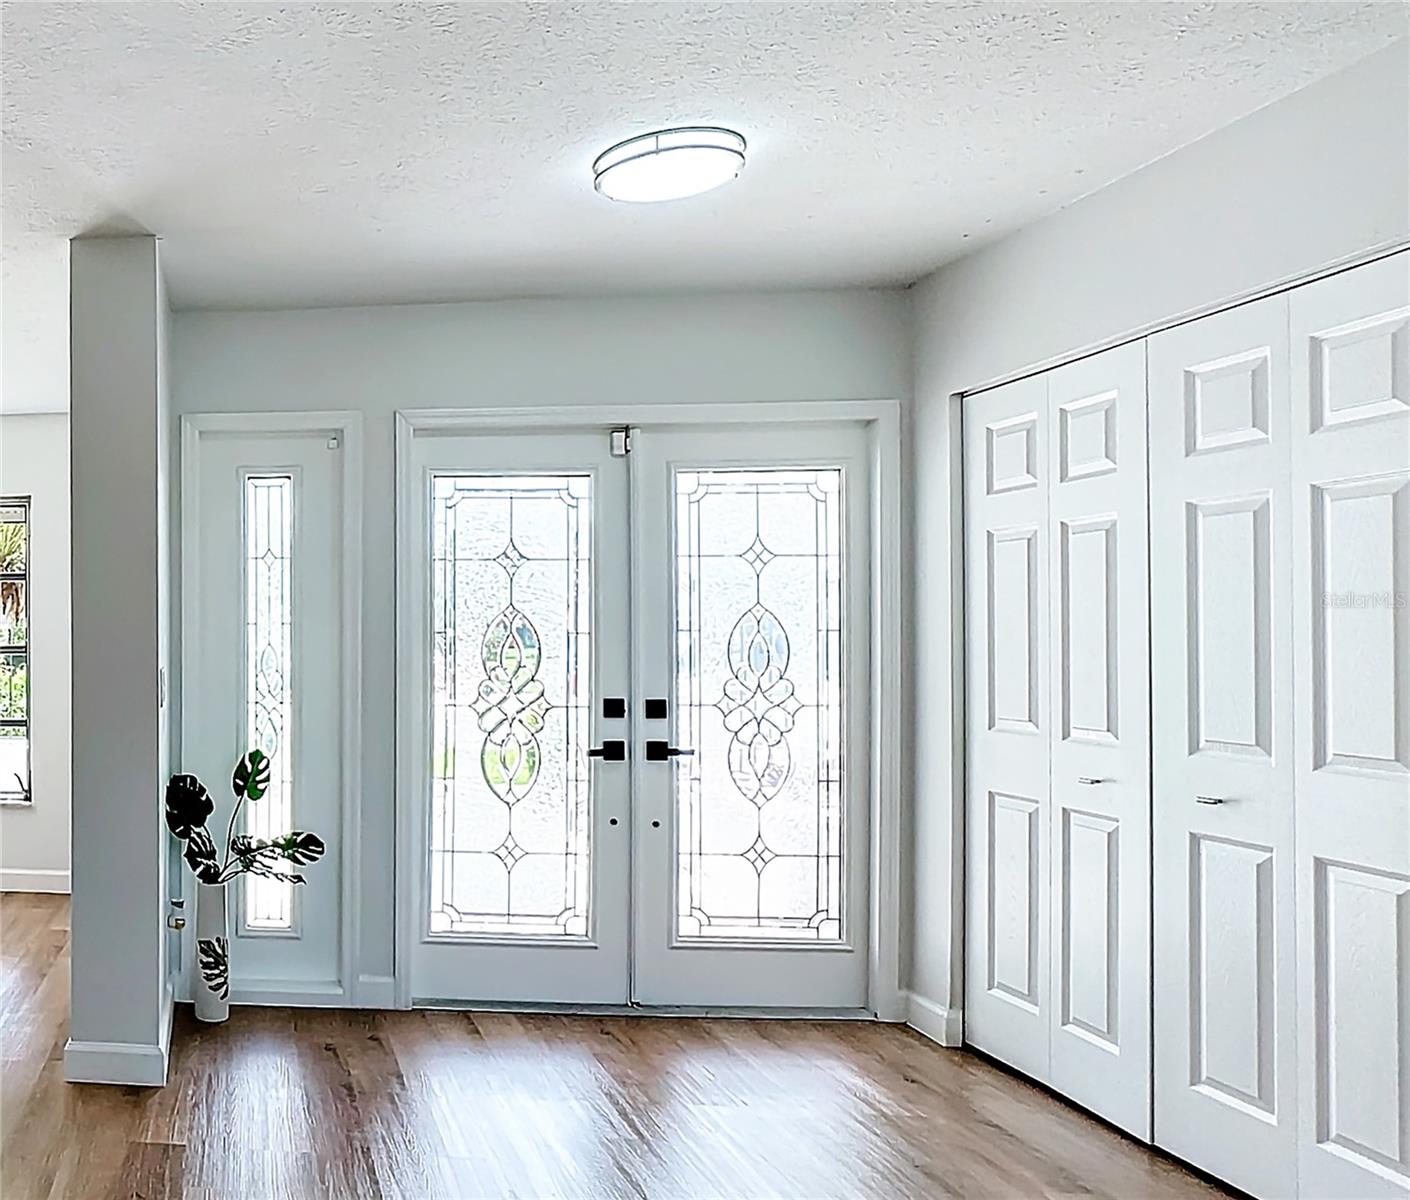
568	613
511	618
268	904
751	608
759	678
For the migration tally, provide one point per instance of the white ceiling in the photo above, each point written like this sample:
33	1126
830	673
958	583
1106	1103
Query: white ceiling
315	154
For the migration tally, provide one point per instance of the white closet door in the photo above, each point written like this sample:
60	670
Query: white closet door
1099	1016
1351	504
1006	631
1221	699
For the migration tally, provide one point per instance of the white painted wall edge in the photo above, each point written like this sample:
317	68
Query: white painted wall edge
935	1021
34	881
129	1064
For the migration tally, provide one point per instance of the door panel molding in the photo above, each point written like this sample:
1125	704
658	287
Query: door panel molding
351	989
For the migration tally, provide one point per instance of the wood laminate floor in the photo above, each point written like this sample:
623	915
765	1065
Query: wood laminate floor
307	1103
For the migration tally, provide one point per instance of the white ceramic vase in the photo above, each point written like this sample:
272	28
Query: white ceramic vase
210	980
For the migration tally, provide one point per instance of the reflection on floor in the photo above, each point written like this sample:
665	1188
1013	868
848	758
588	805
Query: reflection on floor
305	1103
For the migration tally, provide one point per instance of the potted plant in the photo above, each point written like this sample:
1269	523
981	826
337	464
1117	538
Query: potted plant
188	806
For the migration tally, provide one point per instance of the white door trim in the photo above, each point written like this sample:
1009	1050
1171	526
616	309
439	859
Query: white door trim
346	425
883	420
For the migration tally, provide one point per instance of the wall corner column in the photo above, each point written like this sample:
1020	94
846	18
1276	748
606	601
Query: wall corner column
120	1015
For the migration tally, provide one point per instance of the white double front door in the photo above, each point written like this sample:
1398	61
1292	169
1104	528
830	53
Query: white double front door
632	750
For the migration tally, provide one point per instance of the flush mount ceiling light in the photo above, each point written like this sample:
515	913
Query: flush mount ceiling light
669	164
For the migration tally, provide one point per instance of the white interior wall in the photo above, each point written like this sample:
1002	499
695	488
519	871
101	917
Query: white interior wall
1314	180
697	349
120	1001
34	838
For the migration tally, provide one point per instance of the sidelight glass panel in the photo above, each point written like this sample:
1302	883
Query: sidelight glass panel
268	905
14	651
511	605
759	653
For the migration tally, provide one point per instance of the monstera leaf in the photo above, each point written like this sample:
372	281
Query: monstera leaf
215	964
200	855
260	857
188	804
268	870
299	847
251	778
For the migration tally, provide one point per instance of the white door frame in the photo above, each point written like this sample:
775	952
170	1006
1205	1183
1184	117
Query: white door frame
883	421
346	426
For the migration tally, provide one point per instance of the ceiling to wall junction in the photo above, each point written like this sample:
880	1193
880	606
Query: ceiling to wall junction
321	154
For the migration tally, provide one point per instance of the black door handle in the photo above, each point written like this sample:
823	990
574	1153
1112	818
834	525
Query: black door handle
610	751
657	751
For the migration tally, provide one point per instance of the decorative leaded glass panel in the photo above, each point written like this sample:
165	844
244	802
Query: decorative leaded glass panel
14	651
511	605
759	688
269	697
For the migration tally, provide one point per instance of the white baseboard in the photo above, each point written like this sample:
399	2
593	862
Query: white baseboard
34	881
375	991
131	1063
290	993
935	1021
372	991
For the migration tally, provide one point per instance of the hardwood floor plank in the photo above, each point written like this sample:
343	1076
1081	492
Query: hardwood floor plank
306	1103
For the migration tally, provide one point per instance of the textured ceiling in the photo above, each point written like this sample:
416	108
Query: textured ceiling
312	154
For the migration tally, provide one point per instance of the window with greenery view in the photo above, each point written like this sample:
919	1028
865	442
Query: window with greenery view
14	650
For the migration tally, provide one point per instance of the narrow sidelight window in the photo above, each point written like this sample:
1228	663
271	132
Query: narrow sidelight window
14	651
268	905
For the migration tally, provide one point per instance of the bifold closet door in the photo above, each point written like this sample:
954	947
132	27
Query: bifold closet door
1221	618
1351	611
1006	655
1058	842
1100	832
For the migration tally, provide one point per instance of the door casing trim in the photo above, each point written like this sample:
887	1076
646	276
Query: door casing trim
346	425
882	417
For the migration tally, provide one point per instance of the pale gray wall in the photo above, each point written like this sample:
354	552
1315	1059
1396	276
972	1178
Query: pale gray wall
1307	182
34	839
118	987
698	349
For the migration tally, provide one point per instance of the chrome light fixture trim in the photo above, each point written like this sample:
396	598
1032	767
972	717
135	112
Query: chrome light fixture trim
669	164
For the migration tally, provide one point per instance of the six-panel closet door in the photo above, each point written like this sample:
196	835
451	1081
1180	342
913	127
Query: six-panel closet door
1007	910
1280	574
1221	645
1058	804
1351	631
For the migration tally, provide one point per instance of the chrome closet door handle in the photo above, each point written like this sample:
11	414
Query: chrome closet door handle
1088	781
1209	799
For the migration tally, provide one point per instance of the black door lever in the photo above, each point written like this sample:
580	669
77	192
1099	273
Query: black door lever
658	751
609	751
